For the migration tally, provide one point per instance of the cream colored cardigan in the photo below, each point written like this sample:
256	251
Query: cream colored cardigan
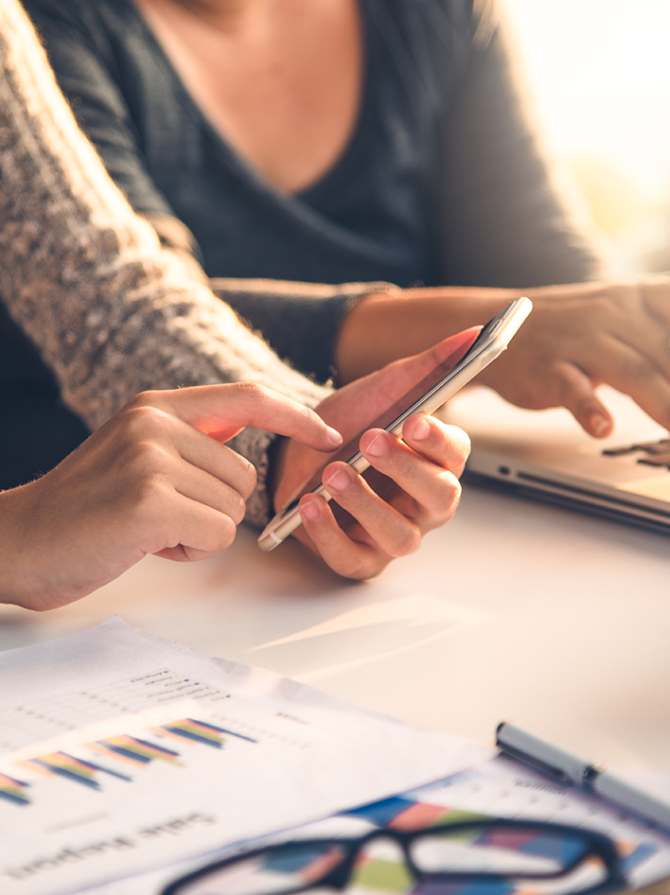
111	312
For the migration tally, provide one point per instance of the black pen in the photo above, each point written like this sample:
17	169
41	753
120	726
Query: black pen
568	768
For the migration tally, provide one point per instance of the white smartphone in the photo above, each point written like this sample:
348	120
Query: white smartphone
427	396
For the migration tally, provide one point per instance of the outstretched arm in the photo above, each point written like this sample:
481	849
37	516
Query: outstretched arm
113	314
578	337
504	224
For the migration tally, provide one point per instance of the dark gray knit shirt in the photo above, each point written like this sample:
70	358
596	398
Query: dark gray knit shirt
441	181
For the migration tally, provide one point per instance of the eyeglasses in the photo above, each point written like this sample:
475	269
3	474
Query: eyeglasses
482	857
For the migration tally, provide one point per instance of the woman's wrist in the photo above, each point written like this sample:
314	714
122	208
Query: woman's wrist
19	578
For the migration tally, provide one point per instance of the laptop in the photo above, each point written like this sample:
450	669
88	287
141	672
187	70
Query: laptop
547	454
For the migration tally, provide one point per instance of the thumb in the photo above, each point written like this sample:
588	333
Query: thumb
453	348
398	377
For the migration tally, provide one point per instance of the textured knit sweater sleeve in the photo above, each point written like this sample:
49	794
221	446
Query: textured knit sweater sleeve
83	47
109	310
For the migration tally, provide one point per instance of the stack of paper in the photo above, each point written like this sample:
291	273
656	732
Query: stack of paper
121	752
125	759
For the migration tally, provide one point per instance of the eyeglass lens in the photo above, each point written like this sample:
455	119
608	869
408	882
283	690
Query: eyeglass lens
292	868
529	855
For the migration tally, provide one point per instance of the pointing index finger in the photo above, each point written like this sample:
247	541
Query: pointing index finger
224	410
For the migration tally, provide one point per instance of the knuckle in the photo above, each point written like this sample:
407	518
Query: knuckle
372	572
144	484
601	303
224	534
149	397
141	420
451	491
460	442
402	462
146	462
254	393
449	511
147	491
145	504
407	542
249	479
238	508
357	562
636	370
655	293
219	536
362	571
445	492
444	502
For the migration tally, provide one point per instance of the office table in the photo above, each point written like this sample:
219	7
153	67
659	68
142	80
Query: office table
554	620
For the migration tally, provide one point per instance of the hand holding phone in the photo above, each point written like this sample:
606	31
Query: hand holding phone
427	396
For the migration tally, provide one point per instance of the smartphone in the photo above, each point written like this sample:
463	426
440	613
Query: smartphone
427	396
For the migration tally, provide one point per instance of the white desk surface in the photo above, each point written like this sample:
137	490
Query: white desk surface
554	620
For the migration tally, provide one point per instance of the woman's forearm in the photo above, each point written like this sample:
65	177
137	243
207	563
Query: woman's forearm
389	325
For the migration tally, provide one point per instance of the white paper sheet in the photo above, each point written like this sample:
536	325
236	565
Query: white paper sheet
501	787
122	752
497	787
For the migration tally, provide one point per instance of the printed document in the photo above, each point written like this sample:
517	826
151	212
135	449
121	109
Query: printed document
121	753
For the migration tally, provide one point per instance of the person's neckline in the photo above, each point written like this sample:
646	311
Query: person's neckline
243	166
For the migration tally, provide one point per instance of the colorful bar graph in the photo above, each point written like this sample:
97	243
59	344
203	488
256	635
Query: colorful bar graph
401	813
13	790
135	751
200	732
120	750
77	770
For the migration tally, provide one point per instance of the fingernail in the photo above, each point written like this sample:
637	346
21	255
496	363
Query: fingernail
421	430
379	446
309	509
340	481
599	424
334	436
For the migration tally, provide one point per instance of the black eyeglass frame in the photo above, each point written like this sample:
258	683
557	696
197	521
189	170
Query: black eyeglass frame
599	846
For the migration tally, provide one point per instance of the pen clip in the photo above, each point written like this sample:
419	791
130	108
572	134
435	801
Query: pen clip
564	767
557	774
549	760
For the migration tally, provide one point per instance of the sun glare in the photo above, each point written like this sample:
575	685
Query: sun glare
599	75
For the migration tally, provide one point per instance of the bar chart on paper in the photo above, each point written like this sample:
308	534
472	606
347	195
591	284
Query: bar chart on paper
123	757
127	733
61	740
169	745
121	753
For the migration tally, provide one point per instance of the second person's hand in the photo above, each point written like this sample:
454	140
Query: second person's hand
149	481
578	337
584	335
411	488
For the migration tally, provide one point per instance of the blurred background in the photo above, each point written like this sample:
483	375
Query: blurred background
599	77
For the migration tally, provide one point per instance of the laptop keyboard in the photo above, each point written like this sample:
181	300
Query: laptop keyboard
654	453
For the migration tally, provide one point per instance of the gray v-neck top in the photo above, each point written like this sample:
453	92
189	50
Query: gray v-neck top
440	182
